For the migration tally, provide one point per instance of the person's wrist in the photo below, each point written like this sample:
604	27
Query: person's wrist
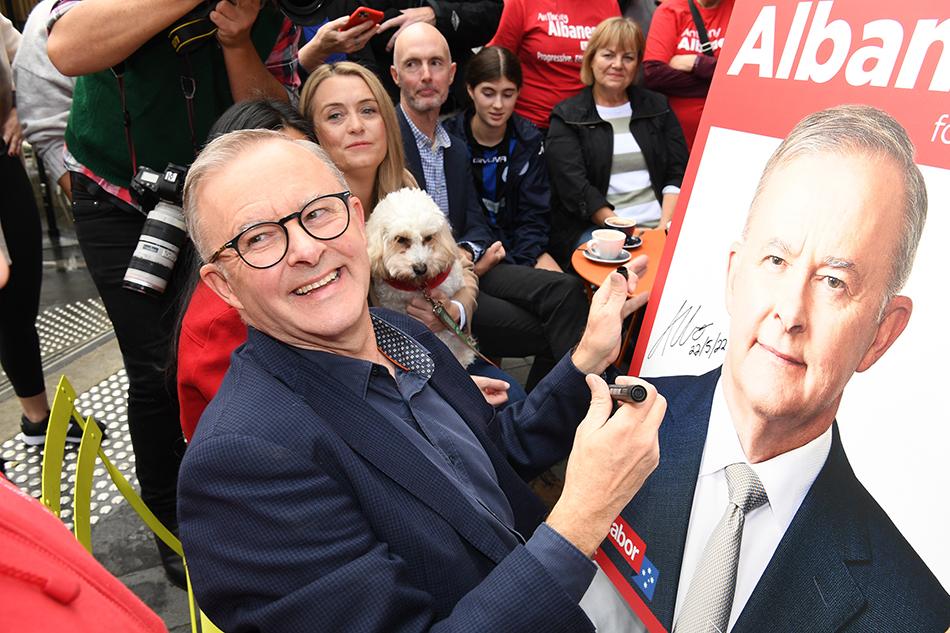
582	534
468	248
586	361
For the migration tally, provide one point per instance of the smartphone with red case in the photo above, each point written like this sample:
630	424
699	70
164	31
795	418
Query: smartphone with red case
363	14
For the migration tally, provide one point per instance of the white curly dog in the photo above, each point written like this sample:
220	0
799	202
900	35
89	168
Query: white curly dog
410	247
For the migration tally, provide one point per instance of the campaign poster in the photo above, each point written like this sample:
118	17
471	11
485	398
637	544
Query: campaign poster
781	61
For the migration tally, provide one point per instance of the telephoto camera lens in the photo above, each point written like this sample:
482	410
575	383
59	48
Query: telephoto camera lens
303	12
164	232
157	250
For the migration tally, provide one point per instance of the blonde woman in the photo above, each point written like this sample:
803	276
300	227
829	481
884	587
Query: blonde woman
614	149
356	124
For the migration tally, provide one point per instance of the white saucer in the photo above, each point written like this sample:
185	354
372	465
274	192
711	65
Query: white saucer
624	257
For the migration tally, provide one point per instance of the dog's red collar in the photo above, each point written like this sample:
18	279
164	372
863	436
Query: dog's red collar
430	283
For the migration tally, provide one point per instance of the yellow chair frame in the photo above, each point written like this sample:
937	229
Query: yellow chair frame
63	412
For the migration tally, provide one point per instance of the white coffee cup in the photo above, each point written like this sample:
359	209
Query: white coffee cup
606	244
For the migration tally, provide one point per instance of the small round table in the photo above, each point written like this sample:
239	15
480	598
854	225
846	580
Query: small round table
594	273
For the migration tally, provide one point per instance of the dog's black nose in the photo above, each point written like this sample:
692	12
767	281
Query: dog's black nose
419	269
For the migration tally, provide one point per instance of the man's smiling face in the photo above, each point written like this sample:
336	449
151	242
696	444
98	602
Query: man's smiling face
316	295
806	287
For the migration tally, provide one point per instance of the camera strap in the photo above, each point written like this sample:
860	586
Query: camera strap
194	30
119	70
187	35
187	89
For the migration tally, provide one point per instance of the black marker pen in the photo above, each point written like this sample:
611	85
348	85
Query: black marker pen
628	393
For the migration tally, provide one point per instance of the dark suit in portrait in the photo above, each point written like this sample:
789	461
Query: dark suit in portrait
842	565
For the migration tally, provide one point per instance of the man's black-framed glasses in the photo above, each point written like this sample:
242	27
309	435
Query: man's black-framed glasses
264	245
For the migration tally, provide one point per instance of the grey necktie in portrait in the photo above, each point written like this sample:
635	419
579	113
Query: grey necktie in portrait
709	598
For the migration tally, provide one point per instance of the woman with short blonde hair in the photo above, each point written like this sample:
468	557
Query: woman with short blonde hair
617	33
613	149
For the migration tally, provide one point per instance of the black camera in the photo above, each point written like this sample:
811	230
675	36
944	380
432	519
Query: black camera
149	187
164	233
303	12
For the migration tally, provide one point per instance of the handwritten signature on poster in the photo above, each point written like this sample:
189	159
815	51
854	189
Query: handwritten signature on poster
681	333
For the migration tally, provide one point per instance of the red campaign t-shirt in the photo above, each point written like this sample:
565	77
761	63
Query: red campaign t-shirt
549	37
673	32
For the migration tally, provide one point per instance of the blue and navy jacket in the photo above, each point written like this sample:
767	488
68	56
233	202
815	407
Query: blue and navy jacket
527	191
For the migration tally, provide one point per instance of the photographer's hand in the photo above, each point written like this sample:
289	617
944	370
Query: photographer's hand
234	21
247	74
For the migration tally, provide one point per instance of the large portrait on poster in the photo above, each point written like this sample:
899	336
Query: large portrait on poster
790	281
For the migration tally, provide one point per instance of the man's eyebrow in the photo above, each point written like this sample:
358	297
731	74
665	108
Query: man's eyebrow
301	205
835	262
778	244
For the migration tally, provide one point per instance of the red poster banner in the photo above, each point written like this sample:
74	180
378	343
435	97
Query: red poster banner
780	63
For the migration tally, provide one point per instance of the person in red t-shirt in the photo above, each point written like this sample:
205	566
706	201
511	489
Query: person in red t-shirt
674	63
549	38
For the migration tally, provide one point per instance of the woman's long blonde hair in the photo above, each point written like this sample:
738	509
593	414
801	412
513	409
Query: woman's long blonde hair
391	174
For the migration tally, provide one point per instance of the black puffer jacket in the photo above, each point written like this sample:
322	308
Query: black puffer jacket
580	148
527	192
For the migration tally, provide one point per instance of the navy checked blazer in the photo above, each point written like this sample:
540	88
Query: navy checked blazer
302	509
841	566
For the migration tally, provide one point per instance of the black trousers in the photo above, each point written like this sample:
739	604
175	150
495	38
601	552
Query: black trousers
144	327
20	298
524	311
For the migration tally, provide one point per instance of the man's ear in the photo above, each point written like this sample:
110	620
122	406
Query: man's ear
732	271
359	214
395	74
214	277
452	72
896	316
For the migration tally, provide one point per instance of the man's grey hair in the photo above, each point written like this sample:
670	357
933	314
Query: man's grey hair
224	151
860	129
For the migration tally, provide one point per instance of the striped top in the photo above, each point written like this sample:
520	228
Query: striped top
630	191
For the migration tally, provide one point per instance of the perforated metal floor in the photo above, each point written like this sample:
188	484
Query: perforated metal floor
106	402
63	328
65	334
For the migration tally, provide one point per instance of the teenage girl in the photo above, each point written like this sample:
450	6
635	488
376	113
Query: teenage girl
506	153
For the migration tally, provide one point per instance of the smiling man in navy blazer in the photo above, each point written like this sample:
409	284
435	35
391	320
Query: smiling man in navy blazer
348	476
812	299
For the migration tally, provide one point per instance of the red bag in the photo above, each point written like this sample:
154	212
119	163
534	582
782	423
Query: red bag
49	582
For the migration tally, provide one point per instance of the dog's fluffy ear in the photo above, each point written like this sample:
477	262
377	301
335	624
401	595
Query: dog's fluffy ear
447	249
376	248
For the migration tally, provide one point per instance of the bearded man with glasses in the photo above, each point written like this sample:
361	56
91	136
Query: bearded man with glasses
348	475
